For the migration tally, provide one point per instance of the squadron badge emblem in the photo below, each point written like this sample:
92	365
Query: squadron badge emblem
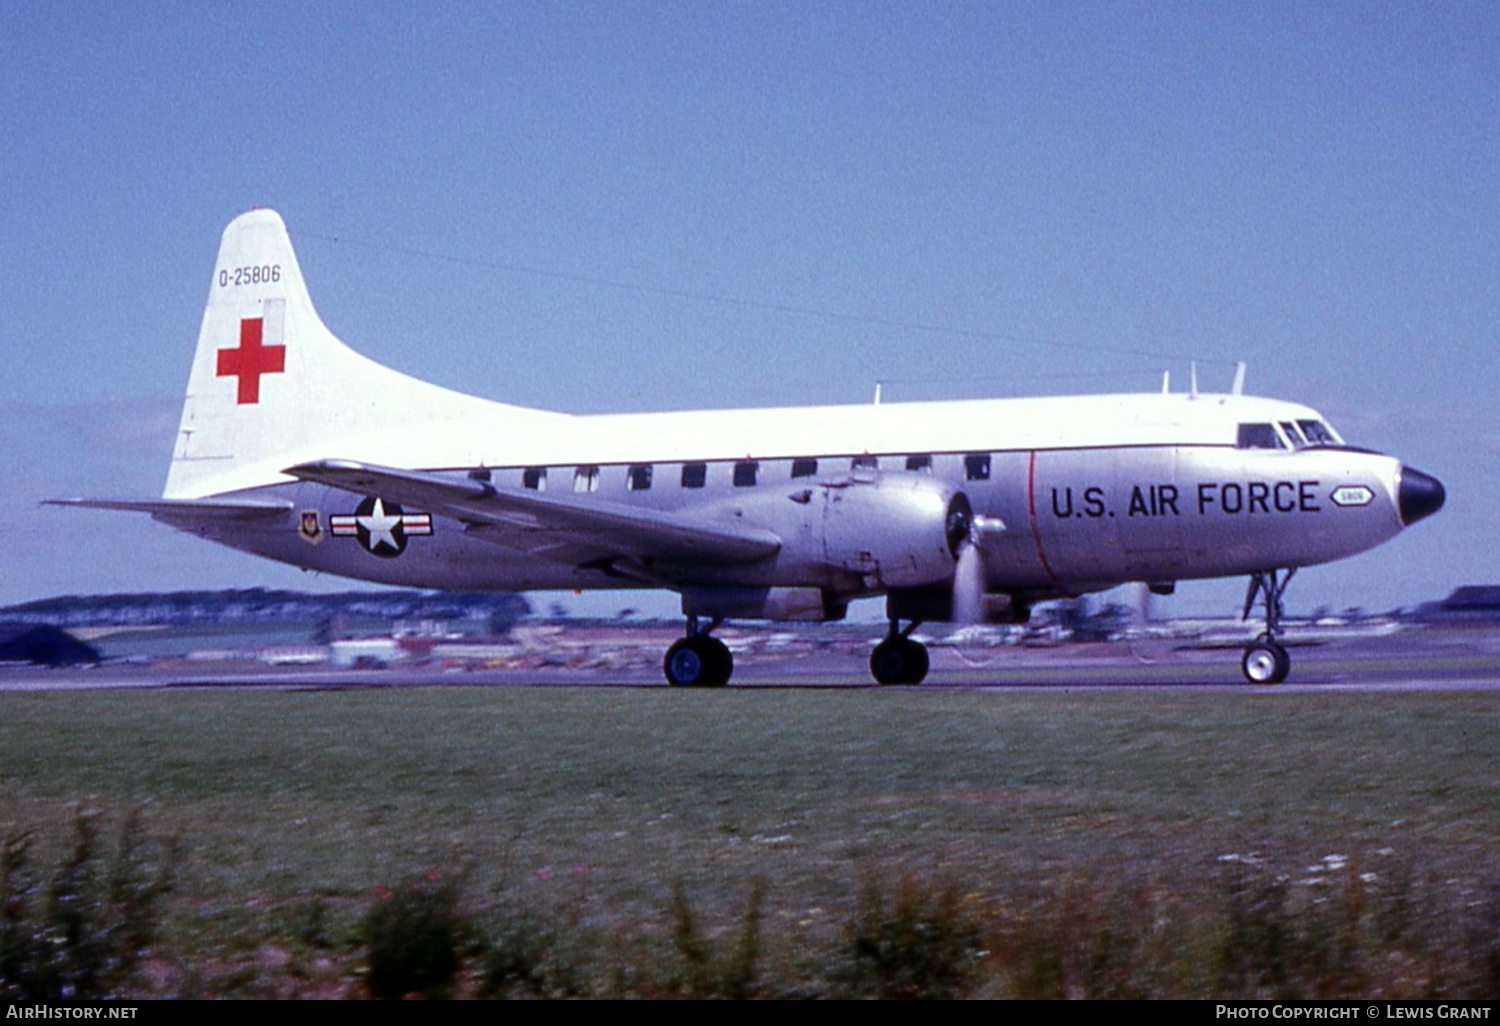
310	526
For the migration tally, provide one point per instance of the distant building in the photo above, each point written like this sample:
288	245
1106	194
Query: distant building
364	653
41	645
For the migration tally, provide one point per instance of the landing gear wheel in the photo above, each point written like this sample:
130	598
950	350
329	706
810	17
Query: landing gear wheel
899	661
1266	662
698	661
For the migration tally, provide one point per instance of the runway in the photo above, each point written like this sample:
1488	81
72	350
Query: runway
1463	660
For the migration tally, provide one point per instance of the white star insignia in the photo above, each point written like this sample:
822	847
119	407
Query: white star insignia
381	525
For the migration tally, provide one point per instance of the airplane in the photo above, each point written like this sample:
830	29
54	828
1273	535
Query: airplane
294	447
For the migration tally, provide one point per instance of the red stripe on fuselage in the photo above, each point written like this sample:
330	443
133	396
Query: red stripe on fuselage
1036	534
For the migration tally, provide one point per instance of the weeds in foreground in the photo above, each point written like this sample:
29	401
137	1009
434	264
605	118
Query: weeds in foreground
527	957
915	942
417	937
82	924
717	970
80	931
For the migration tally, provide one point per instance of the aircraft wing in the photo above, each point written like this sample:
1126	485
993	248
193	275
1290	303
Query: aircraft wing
223	509
558	526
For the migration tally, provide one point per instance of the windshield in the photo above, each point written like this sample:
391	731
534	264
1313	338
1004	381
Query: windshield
1317	432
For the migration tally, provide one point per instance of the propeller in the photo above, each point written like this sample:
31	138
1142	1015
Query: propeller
968	562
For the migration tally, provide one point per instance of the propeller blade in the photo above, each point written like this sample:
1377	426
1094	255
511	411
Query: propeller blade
968	585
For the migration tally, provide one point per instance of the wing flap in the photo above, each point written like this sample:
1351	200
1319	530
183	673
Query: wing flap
536	522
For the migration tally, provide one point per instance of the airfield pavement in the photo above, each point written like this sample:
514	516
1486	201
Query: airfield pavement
1460	659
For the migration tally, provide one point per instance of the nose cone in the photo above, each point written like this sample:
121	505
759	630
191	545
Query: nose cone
1420	495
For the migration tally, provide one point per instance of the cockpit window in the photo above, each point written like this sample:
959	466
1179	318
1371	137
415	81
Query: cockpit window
1258	436
1292	434
1317	432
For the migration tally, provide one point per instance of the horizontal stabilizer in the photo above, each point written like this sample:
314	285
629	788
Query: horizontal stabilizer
224	509
535	521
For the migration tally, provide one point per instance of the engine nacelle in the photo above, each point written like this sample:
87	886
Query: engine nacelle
896	530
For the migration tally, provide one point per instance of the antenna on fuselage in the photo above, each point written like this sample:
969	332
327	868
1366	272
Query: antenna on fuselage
877	392
1166	382
1238	388
1193	379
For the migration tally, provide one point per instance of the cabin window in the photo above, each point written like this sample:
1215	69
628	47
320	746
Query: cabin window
977	467
804	468
865	462
921	464
1258	436
746	472
534	478
694	475
586	479
1317	433
639	477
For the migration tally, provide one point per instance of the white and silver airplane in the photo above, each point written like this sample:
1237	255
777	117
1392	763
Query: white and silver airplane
294	447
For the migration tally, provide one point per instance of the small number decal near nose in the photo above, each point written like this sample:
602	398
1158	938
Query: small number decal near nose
1352	495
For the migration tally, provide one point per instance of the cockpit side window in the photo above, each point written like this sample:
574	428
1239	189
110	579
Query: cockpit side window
1292	434
1258	436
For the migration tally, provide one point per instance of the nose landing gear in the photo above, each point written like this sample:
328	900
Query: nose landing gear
1266	661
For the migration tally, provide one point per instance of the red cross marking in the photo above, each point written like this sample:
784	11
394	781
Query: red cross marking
251	360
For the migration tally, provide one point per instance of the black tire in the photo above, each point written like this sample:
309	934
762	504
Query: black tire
1266	663
721	662
699	661
899	661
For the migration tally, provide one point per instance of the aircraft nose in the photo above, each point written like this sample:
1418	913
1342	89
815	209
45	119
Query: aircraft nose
1420	495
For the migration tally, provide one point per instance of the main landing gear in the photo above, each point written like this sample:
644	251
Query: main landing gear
698	660
898	659
1265	660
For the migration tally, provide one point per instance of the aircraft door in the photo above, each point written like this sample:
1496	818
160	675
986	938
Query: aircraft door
1152	502
1075	513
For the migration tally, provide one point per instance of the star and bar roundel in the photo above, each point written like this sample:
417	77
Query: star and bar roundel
381	527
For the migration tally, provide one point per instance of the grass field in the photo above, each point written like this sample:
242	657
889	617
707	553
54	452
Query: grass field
596	804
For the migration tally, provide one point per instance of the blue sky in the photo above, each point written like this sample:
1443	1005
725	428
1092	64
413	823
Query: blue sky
617	206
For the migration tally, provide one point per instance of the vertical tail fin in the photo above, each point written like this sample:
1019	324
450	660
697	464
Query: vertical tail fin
269	380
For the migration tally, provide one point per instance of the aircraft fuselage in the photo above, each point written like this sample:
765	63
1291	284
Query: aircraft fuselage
1053	521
